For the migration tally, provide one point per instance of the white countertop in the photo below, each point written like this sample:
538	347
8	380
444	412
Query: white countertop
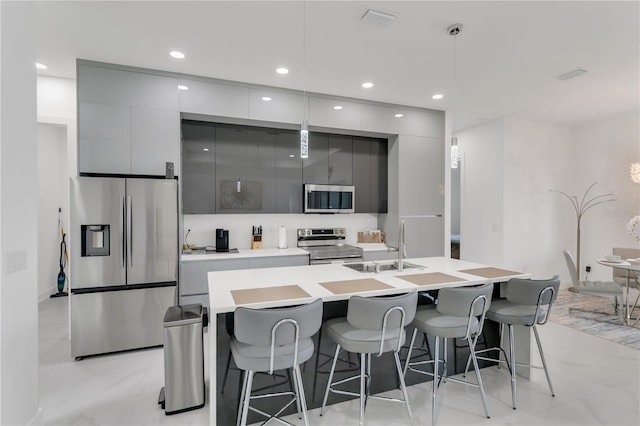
245	254
221	283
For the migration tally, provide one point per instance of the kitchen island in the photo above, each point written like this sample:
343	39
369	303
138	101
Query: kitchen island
273	287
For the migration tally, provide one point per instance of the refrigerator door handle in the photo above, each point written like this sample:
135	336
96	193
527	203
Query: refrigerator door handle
123	232
129	232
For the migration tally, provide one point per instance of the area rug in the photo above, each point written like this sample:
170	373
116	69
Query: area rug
594	315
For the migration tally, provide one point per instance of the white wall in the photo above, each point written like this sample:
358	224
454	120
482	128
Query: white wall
604	151
239	225
18	207
481	181
53	188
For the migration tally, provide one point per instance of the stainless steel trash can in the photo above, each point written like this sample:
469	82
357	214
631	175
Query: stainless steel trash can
183	359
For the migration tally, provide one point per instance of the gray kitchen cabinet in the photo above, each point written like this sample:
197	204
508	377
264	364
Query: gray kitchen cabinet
194	284
370	174
260	186
340	167
377	118
231	168
283	107
212	98
379	176
288	172
315	169
198	167
104	138
127	121
422	123
421	176
322	113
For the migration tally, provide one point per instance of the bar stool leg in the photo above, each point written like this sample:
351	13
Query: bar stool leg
512	361
406	362
363	395
243	379
436	356
300	393
295	390
246	400
472	349
544	363
326	392
403	386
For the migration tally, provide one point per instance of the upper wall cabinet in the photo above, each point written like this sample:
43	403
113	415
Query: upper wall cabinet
198	167
370	174
422	123
323	113
279	107
376	118
209	98
128	121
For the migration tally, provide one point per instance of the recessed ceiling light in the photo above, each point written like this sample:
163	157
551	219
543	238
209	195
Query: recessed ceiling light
437	96
182	87
282	70
367	85
176	54
337	107
399	115
41	66
205	149
292	156
266	98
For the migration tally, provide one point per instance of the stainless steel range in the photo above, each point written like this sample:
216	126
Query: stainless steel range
326	245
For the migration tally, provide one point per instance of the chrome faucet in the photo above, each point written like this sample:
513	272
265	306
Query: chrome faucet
402	246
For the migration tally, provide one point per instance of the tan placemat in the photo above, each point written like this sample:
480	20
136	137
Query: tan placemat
430	278
268	294
489	272
354	286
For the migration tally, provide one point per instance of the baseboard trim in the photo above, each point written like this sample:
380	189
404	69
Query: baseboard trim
37	419
47	293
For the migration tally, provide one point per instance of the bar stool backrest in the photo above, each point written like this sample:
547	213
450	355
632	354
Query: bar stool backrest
528	292
254	326
457	301
368	313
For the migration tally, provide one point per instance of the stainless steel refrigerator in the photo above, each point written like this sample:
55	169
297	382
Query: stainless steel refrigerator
124	262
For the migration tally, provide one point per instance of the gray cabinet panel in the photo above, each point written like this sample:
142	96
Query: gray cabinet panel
104	140
340	160
315	169
421	160
379	176
288	172
282	108
214	99
198	167
422	123
120	87
231	169
194	273
279	261
376	118
155	140
260	187
362	174
322	113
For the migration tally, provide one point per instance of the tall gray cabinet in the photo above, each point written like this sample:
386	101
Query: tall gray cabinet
128	121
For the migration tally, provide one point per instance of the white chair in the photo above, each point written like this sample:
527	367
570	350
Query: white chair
607	288
266	340
373	325
459	314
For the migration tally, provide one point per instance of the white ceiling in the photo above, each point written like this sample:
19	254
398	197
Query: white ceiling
507	57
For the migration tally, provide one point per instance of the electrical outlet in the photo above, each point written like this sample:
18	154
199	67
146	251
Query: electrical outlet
588	268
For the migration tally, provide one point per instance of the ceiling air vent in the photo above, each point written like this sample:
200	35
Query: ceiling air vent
375	17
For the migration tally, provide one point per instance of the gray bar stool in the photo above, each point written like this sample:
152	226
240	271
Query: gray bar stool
528	303
266	340
373	325
459	314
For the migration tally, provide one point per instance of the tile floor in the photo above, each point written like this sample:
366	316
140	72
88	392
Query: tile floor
597	382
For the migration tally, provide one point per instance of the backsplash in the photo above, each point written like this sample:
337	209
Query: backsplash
239	225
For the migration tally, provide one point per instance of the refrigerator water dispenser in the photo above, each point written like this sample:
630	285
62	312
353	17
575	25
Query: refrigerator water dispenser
95	240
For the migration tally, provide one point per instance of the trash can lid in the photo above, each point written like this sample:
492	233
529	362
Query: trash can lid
182	315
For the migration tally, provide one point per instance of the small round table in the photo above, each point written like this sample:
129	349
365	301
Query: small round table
629	267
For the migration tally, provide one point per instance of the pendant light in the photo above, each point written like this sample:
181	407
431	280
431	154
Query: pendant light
304	131
453	30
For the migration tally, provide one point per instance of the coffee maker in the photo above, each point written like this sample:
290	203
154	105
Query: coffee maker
222	240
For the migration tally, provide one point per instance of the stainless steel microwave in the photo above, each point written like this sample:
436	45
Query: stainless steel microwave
329	198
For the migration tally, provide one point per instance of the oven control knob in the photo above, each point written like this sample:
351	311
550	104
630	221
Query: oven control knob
341	231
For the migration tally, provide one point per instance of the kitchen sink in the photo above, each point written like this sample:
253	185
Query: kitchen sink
387	265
